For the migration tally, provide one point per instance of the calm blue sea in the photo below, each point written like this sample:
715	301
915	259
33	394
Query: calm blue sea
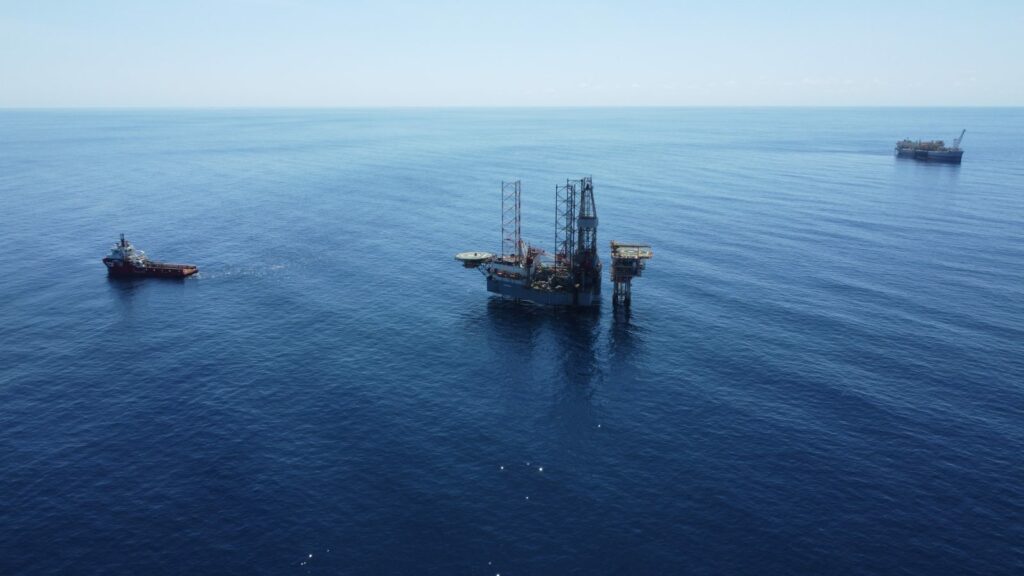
822	372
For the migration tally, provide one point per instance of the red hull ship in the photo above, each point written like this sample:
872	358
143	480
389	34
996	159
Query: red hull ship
125	261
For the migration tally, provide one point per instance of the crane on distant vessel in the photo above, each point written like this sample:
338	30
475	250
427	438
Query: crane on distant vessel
956	142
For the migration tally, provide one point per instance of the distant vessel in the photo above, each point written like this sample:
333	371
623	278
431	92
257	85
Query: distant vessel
125	260
931	151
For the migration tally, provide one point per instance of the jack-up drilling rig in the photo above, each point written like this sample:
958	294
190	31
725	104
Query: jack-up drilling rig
569	277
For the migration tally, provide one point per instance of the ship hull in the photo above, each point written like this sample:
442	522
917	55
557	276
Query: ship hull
150	269
943	157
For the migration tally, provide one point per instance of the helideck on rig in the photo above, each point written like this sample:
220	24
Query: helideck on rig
571	276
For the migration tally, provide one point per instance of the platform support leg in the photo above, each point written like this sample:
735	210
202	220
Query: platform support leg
621	293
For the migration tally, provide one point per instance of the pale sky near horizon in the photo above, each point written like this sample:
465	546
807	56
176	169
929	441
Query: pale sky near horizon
120	53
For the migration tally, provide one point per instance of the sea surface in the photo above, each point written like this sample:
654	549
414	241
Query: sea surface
822	371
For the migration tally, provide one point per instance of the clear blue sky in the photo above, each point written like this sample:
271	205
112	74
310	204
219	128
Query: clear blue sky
510	53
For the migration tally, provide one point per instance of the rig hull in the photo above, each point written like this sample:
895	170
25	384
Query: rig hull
519	291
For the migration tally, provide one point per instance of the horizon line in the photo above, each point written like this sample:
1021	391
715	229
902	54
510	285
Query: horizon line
491	107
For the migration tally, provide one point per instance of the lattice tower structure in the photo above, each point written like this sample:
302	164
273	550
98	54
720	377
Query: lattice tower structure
565	223
511	221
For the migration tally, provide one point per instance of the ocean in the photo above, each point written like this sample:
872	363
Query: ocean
822	371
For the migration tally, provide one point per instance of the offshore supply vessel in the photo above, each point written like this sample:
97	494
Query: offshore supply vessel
931	150
572	275
125	260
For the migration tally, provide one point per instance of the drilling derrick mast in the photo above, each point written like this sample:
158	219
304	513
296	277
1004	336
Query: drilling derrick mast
586	263
576	239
